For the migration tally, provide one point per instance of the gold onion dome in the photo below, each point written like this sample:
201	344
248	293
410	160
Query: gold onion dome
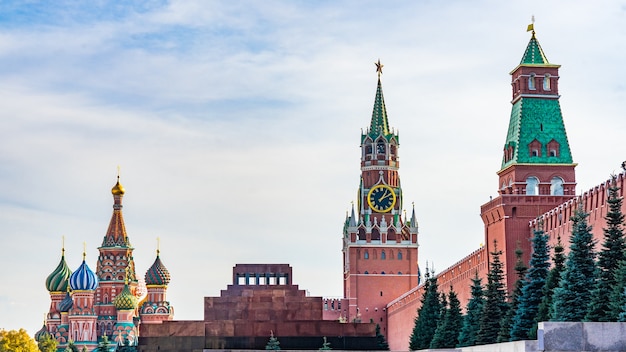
118	189
125	300
57	281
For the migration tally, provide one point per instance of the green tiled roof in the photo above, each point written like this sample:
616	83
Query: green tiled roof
534	54
380	123
536	119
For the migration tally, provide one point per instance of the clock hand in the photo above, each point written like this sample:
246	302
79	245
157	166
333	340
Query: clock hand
386	195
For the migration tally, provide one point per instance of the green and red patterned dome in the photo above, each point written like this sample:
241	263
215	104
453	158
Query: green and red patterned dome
126	300
58	280
157	274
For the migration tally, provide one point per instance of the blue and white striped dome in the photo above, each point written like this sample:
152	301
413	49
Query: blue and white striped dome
83	279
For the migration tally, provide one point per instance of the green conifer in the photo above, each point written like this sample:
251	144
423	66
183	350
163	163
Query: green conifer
447	334
473	312
609	258
495	307
544	312
380	340
427	315
507	322
524	322
273	343
572	297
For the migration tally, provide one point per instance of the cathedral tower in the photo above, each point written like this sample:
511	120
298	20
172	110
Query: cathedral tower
114	262
537	171
379	247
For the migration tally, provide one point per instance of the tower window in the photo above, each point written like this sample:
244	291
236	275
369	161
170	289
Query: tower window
535	148
553	147
380	147
546	81
366	255
532	186
399	255
383	256
531	82
556	186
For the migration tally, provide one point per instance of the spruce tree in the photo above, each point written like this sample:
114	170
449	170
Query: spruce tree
507	322
380	340
427	315
524	321
495	301
609	258
273	343
447	334
473	312
554	277
618	295
572	297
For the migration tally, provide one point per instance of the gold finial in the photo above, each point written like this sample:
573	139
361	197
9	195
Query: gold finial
158	246
118	189
84	250
379	68
531	26
62	245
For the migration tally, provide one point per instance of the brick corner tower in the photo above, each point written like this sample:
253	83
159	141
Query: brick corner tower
537	172
379	247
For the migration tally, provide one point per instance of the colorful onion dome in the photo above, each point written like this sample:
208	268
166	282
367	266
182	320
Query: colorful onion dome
118	189
157	274
42	332
83	279
66	304
57	281
125	300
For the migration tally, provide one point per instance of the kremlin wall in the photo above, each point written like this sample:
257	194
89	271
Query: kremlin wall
536	188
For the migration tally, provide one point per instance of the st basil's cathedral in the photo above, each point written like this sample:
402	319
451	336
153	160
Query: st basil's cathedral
85	305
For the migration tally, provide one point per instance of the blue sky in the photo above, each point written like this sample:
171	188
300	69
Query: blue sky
237	127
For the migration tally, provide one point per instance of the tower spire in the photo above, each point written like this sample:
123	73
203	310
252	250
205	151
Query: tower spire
379	123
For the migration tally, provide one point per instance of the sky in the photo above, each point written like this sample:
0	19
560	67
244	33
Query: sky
236	126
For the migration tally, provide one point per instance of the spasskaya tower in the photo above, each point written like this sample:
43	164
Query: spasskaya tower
379	245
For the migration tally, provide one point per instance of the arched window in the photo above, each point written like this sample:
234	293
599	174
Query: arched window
383	256
556	186
380	147
399	255
531	82
546	81
366	255
532	186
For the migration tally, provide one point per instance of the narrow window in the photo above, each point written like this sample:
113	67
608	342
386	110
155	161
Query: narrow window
380	147
531	82
556	186
546	81
383	256
399	255
532	186
366	255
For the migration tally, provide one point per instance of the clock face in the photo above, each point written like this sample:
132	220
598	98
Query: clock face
381	198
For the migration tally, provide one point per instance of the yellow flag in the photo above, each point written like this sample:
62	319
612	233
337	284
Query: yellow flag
531	27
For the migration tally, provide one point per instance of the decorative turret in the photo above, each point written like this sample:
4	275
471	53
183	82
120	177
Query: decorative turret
155	308
115	264
57	283
82	316
42	333
125	331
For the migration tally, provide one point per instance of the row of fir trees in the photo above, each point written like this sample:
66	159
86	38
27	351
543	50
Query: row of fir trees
585	285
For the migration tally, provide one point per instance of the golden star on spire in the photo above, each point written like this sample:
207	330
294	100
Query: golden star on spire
379	68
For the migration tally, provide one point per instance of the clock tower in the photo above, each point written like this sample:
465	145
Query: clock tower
379	246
